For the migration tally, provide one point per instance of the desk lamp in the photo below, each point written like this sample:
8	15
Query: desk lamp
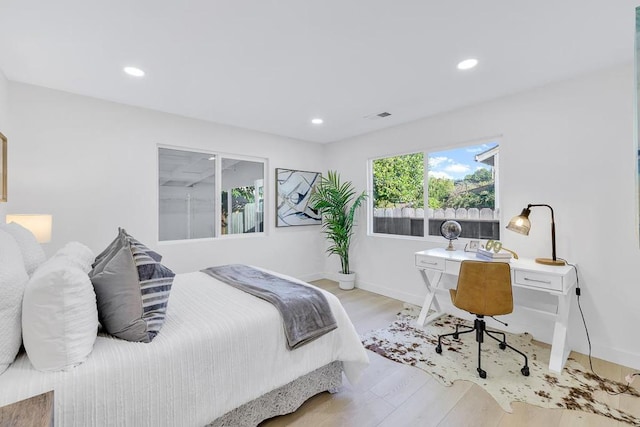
521	224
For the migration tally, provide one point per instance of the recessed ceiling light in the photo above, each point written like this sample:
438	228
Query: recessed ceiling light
317	121
133	71
467	64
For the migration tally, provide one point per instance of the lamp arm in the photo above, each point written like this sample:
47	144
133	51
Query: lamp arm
553	229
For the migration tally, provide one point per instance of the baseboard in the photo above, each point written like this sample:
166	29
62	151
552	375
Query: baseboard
312	277
615	355
391	293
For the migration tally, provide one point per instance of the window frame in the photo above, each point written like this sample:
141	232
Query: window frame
426	154
219	155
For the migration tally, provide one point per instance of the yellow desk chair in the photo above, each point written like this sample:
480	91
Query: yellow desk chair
484	289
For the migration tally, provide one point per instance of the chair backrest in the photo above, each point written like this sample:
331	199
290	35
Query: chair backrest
484	288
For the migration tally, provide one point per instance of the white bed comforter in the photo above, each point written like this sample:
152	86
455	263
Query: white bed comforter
218	349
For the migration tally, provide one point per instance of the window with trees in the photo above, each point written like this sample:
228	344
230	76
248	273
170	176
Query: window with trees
458	184
204	195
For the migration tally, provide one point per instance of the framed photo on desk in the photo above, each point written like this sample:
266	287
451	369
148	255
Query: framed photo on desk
472	246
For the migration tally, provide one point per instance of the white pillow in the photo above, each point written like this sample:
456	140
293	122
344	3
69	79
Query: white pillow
13	279
59	316
32	253
78	254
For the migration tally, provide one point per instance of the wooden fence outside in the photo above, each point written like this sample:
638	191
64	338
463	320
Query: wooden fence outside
475	223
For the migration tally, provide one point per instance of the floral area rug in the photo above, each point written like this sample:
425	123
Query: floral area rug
576	388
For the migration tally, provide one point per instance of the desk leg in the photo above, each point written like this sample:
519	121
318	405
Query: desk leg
430	300
559	348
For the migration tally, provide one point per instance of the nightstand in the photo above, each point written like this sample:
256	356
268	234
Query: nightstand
36	411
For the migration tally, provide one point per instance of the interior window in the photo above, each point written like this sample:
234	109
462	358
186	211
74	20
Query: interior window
205	195
187	201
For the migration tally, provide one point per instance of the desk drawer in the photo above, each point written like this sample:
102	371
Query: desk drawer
430	262
538	280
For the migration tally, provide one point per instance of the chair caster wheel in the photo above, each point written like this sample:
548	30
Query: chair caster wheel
456	336
482	373
503	346
439	349
525	371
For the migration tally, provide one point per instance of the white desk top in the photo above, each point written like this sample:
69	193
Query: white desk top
520	264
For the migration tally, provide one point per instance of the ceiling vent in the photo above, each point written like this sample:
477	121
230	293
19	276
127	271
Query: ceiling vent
378	116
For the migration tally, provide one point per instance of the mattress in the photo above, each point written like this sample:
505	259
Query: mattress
218	349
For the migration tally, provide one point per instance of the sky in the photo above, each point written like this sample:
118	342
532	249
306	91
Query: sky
458	163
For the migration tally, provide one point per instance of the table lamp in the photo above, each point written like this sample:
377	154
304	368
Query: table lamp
39	225
521	224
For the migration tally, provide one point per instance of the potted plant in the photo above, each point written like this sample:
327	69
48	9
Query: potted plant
337	202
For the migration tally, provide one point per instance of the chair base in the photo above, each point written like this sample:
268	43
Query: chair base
480	328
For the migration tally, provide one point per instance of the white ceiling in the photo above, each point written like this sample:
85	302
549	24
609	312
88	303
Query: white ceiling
272	65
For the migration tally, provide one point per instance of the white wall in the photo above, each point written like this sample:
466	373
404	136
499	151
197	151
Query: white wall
569	145
93	165
4	123
4	106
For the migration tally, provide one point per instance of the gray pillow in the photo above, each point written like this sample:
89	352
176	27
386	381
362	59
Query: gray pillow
132	290
108	251
113	248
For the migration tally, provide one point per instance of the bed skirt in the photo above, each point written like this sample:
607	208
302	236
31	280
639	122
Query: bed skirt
285	399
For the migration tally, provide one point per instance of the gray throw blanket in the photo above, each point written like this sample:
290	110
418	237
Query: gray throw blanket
304	310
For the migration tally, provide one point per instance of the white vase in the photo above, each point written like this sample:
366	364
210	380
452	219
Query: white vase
347	281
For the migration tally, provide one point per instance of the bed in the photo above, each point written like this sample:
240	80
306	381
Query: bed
220	359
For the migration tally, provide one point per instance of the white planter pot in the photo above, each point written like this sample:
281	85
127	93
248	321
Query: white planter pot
347	281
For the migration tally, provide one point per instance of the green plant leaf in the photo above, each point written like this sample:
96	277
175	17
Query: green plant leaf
338	204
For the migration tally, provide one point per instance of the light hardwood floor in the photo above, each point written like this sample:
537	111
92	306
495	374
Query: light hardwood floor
395	395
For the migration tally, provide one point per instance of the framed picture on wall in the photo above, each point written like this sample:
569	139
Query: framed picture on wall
293	189
3	168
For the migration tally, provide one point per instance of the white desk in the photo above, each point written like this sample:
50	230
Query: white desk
525	273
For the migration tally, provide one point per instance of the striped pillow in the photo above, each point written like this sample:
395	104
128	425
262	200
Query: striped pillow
155	285
132	290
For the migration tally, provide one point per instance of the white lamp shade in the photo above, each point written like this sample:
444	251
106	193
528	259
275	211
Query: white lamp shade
39	225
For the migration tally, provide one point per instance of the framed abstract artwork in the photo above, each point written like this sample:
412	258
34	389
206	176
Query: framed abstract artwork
3	168
294	188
